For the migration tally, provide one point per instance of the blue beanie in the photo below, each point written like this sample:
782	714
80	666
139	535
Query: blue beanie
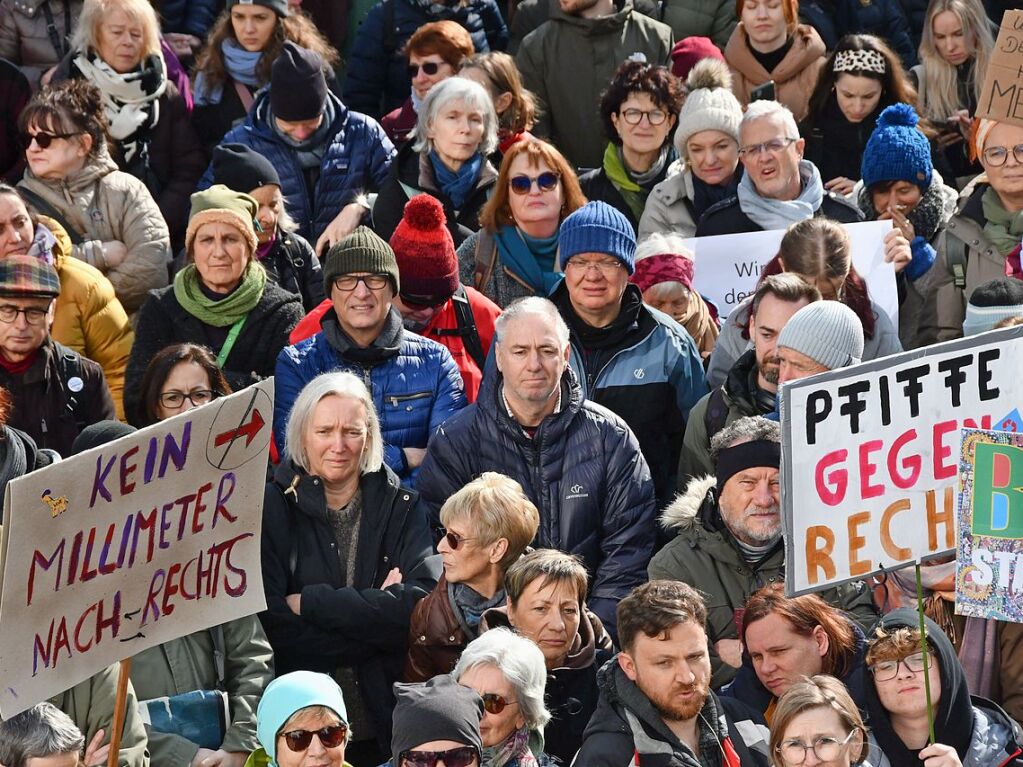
897	150
598	228
290	693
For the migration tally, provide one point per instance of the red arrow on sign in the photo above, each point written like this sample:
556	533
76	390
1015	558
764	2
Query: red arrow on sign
249	431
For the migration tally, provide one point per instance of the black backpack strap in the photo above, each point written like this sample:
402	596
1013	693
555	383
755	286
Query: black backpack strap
716	415
466	328
70	364
956	257
60	45
44	207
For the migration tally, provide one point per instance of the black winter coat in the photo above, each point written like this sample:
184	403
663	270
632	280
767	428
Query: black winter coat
597	186
726	217
356	625
293	265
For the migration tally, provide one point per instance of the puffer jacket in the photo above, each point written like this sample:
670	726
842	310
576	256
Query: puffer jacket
704	554
415	384
669	208
358	624
568	62
583	469
377	78
102	204
794	78
700	18
356	160
189	17
25	38
884	18
188	663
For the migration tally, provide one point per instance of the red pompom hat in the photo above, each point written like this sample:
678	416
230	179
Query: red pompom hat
425	252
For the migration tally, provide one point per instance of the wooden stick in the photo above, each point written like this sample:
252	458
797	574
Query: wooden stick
923	649
120	704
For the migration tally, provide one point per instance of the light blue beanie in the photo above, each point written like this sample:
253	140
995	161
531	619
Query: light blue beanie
597	228
288	694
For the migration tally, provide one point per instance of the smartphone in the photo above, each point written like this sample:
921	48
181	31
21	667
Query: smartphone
764	92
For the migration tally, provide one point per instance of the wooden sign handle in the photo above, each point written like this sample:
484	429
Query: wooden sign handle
117	726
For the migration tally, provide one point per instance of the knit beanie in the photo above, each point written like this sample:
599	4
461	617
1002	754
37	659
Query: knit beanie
828	332
425	252
242	168
28	276
440	709
226	206
290	693
689	51
100	433
992	302
897	150
298	89
710	105
596	227
280	7
361	251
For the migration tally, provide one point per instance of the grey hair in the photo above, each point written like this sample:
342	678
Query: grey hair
657	243
531	305
759	110
473	95
749	429
41	731
522	664
333	385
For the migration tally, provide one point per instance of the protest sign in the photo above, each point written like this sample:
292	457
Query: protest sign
989	567
131	544
1001	98
729	265
870	455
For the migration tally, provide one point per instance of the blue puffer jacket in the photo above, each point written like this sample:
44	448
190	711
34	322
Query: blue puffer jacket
583	469
377	79
189	17
357	159
884	18
414	381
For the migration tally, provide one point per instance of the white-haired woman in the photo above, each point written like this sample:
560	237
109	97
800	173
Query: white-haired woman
509	673
344	550
664	272
455	133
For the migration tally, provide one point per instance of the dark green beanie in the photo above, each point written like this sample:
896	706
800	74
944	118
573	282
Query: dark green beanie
223	205
361	251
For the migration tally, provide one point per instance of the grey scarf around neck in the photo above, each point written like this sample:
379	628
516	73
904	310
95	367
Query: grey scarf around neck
780	214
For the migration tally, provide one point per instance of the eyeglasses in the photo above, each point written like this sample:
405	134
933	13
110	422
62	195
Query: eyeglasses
462	756
606	267
825	749
454	539
653	116
421	302
996	156
44	139
33	316
772	147
330	737
495	704
889	669
545	182
176	399
429	68
349	282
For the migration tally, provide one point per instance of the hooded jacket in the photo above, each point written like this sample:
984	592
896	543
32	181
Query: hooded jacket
25	37
705	555
669	208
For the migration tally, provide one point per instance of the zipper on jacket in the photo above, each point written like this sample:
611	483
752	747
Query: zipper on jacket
397	399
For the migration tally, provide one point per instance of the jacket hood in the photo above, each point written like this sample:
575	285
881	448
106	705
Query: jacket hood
592	636
288	694
807	47
677	184
95	168
969	204
683	512
599	26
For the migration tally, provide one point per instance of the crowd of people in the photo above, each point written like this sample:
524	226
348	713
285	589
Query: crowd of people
523	499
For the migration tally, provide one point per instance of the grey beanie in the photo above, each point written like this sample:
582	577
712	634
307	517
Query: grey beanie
828	332
440	709
710	105
991	302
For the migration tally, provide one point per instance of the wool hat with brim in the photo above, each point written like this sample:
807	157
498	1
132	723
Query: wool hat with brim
242	168
597	227
298	88
440	709
280	7
828	332
363	251
991	302
218	204
28	277
290	693
425	252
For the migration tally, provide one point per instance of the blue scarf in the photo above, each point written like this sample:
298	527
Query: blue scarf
530	258
240	65
457	185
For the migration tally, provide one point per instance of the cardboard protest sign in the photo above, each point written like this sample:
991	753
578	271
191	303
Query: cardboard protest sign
1001	98
131	544
870	455
729	265
989	568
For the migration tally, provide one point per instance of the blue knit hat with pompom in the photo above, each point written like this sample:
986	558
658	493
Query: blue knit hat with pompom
897	150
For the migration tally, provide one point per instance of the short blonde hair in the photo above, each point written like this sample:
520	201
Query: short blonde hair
892	645
94	12
816	692
496	507
550	564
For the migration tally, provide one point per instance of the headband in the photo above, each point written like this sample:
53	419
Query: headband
760	453
981	129
859	61
663	267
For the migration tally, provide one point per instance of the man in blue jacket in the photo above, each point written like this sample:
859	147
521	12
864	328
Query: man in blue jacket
577	461
414	381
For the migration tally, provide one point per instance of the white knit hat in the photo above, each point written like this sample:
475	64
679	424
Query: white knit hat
710	104
828	332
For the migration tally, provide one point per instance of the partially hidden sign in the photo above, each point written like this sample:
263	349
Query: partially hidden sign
989	568
1001	98
870	454
131	544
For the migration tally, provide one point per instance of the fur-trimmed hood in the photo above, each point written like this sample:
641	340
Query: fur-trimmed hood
684	511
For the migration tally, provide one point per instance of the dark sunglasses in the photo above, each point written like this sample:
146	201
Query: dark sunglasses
421	302
44	139
429	67
454	539
545	182
330	737
462	756
494	703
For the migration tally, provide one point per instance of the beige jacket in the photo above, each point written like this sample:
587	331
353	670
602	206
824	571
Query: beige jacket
24	39
668	208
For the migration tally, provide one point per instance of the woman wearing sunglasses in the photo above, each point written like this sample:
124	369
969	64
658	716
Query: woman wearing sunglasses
302	720
514	253
817	724
436	724
487	526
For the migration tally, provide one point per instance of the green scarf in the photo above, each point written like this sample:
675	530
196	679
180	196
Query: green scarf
633	194
227	311
1004	229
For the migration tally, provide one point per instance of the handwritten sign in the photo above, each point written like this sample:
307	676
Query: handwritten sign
1001	98
131	544
989	567
870	454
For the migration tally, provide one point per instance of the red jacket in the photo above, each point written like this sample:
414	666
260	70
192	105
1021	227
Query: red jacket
484	311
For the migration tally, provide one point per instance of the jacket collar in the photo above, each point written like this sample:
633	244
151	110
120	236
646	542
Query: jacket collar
258	118
602	25
807	47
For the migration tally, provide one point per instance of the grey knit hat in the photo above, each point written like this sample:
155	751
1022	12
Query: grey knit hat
361	251
710	105
828	332
439	709
991	302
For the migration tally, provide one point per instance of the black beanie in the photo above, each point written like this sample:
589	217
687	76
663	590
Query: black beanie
242	169
99	433
280	7
440	709
298	89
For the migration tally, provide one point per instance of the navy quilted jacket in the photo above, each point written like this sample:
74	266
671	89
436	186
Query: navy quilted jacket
357	160
377	80
190	17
